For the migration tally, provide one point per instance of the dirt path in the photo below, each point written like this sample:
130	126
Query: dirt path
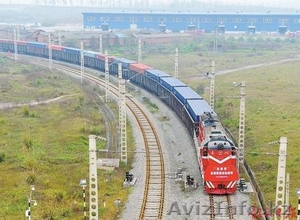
222	72
30	103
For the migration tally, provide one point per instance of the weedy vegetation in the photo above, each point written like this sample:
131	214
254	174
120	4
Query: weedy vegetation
46	145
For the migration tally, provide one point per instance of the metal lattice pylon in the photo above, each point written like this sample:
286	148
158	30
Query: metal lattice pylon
50	51
242	122
81	61
280	187
139	50
106	77
93	178
122	115
176	64
212	85
15	46
100	44
59	37
18	32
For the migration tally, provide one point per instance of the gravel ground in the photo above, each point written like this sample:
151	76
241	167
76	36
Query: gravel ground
179	152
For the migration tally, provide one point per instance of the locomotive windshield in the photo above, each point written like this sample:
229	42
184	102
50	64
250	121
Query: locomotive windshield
219	145
219	142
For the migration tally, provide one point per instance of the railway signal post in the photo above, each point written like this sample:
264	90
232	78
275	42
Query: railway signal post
82	183
30	200
298	212
179	176
190	183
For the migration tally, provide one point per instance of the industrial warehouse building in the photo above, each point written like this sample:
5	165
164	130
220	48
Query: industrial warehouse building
206	22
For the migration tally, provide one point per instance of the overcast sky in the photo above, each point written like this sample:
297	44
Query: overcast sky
273	3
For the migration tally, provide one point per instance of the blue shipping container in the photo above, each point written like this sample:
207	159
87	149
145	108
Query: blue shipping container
125	62
197	108
91	54
170	83
156	74
186	93
71	50
35	44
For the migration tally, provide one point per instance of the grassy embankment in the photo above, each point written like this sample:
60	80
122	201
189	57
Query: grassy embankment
47	145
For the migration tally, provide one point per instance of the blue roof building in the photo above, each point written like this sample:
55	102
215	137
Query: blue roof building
177	21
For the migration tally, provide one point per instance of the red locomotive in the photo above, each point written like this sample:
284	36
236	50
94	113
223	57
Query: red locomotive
217	157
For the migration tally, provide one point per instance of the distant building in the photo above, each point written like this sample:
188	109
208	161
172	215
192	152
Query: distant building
178	22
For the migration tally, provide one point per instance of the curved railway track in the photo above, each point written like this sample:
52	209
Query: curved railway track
153	200
154	191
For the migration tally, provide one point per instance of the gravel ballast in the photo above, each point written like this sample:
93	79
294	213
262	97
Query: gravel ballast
179	152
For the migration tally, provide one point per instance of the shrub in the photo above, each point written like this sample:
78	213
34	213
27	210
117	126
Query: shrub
28	143
2	157
26	111
31	179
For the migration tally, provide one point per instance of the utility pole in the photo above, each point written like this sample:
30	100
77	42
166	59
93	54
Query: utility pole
216	41
122	115
18	32
139	50
59	38
15	46
50	51
106	77
212	85
81	61
100	44
242	122
176	64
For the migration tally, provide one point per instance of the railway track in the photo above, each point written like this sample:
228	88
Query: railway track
153	200
154	190
220	207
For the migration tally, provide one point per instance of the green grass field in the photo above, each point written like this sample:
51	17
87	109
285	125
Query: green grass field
47	145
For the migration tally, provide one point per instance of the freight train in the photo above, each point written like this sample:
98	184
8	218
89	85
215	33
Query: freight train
216	152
